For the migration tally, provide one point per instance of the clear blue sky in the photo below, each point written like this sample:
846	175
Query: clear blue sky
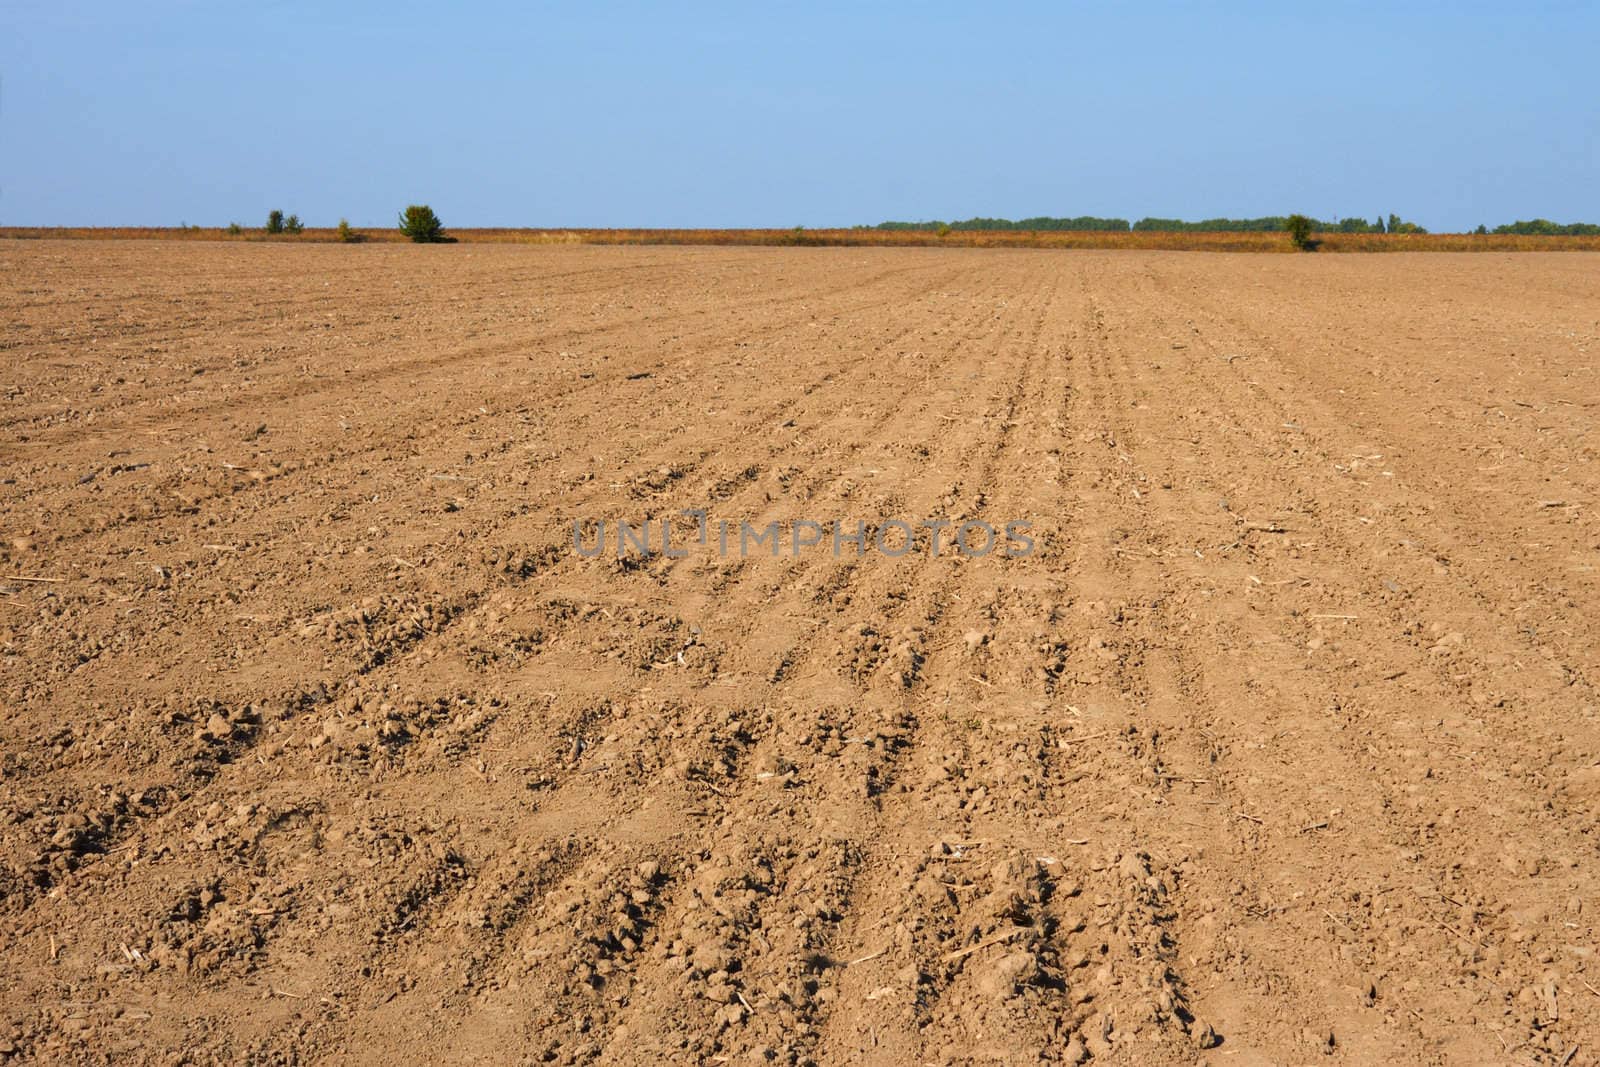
816	114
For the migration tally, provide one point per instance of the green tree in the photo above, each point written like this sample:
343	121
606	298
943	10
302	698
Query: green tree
1546	228
346	234
1299	227
419	223
275	221
292	224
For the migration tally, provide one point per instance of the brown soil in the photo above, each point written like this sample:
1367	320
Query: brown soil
323	743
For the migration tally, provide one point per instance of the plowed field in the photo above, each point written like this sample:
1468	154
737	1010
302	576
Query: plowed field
322	741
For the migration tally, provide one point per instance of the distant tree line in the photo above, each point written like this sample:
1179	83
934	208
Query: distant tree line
1274	223
1267	222
1353	224
1546	228
1080	224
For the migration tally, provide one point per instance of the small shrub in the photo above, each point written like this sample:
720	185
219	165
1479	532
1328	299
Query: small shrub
1299	228
346	234
275	222
419	223
234	229
292	224
944	229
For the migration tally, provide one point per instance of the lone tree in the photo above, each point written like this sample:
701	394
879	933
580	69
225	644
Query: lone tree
419	223
1299	228
275	222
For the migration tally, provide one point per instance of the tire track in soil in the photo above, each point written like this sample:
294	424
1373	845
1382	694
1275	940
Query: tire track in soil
232	485
1423	497
1144	610
1394	785
976	930
567	336
755	979
641	462
447	912
853	759
420	634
